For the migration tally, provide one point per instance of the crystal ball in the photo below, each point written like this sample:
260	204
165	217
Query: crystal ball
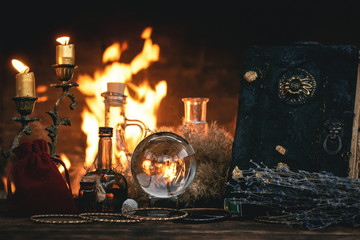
163	164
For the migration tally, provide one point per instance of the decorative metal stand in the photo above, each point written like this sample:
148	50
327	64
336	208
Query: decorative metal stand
24	106
64	72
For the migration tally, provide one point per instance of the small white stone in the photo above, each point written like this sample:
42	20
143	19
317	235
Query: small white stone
129	204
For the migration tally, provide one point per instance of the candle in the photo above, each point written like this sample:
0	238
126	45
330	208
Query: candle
65	53
25	80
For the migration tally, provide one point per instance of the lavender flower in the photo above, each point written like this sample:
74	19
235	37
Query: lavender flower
311	200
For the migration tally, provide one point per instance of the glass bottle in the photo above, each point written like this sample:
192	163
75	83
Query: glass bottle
103	190
115	104
195	114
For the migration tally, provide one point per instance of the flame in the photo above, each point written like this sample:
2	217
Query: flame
150	53
168	170
22	68
112	53
142	106
146	33
146	165
63	40
67	162
39	90
4	179
89	126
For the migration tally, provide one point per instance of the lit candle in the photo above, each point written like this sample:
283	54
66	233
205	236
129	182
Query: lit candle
65	53
25	80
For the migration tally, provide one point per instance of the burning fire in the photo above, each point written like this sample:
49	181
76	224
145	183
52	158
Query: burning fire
113	52
4	179
143	106
167	170
67	162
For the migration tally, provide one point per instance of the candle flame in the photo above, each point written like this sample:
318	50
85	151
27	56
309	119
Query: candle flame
22	68
63	40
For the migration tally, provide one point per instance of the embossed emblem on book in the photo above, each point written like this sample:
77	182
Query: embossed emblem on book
296	86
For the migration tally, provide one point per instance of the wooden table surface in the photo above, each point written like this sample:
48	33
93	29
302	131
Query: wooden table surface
24	228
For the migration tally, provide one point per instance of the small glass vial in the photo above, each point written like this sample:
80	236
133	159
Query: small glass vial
103	190
195	114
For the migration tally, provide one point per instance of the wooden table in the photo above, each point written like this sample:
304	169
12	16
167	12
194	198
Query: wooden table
24	228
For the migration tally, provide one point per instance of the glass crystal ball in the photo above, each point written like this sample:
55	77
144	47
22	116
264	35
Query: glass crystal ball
163	164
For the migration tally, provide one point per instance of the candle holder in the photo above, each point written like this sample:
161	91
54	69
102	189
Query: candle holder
24	106
64	73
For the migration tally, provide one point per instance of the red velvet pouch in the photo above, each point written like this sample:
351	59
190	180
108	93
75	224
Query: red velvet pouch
40	187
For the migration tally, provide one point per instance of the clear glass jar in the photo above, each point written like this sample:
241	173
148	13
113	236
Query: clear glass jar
195	113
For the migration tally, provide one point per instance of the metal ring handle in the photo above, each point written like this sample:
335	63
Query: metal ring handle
332	151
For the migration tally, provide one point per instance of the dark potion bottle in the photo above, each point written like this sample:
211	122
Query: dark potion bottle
103	190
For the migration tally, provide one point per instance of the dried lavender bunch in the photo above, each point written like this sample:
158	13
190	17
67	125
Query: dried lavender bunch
311	200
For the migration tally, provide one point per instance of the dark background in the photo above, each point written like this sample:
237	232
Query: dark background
202	46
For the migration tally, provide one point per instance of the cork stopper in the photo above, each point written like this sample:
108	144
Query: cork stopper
116	87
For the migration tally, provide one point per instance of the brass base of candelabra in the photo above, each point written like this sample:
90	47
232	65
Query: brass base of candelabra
25	106
64	71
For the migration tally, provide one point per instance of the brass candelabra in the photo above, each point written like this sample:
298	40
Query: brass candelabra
64	73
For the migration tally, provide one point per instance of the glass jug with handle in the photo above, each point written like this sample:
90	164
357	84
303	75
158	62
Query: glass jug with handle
115	104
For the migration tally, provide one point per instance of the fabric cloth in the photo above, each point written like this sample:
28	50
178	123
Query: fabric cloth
40	187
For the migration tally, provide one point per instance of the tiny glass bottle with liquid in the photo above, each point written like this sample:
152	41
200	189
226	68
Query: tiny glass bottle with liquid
104	189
